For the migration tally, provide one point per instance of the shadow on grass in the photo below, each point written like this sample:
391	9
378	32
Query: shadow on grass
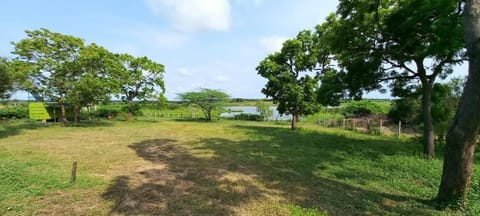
12	128
282	160
180	184
290	161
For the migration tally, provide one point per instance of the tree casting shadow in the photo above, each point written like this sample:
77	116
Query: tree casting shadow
181	184
282	160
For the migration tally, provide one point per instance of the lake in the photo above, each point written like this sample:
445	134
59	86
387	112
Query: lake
236	110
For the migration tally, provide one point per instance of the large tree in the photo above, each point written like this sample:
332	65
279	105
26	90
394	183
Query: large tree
463	133
92	82
292	75
207	99
47	60
413	41
6	81
137	78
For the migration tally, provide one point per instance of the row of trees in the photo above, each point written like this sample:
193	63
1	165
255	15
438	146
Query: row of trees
62	68
373	45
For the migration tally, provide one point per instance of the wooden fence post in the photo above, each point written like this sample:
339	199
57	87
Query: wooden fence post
73	178
399	129
354	125
343	123
381	127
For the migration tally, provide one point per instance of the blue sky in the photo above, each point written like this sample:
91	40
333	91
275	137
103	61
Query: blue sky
202	43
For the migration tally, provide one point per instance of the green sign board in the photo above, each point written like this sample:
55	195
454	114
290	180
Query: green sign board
38	111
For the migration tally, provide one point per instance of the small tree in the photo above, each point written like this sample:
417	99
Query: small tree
293	75
264	110
207	99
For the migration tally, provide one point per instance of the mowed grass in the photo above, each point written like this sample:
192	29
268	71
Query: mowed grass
220	168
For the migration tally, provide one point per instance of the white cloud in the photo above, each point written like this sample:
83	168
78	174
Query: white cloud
273	43
194	15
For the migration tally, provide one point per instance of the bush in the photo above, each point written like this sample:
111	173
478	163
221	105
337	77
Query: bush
105	112
364	107
16	112
248	117
136	109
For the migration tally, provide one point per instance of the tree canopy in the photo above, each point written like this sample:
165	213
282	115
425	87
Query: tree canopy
408	41
6	83
207	99
137	78
58	67
292	80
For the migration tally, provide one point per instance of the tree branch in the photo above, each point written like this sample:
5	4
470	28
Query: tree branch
398	77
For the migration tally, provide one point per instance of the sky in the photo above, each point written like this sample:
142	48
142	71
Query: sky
213	44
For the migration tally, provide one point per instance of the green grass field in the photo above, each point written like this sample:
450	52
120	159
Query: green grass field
171	167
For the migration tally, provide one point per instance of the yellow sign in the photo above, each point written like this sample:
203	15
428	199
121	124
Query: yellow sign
38	111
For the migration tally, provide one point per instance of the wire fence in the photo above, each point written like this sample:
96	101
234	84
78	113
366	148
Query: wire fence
376	126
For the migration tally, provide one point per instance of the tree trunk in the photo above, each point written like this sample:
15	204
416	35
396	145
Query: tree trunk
462	134
294	121
428	134
76	114
63	113
130	113
209	115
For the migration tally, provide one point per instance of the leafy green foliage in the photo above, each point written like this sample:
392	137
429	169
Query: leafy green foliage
47	60
445	99
291	77
248	117
137	78
13	112
6	81
364	107
408	41
207	99
92	83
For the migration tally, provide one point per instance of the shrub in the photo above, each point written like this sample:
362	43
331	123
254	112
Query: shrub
248	117
364	107
16	112
105	112
136	109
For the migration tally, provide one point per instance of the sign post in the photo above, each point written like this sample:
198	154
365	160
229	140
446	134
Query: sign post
38	111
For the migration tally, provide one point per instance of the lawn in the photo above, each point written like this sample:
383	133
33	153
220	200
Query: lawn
223	168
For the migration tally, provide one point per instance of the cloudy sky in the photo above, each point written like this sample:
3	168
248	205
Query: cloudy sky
202	43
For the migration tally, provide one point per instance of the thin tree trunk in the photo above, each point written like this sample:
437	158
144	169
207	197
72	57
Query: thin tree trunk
63	113
209	115
294	121
462	134
428	134
130	113
76	113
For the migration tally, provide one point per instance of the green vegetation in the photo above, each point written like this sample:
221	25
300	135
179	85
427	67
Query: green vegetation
61	68
208	100
365	107
231	167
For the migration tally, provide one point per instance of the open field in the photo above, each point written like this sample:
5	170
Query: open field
220	168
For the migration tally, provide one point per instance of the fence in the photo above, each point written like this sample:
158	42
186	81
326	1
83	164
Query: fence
370	126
